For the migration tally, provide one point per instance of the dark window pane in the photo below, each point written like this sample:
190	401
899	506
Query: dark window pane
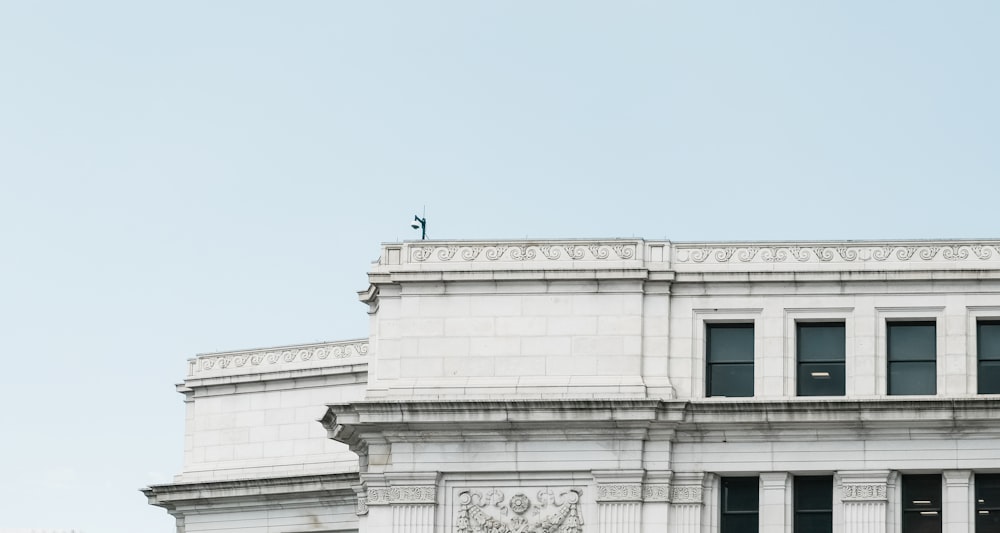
814	522
989	340
735	380
813	493
739	505
912	378
989	377
730	343
988	522
988	491
920	489
739	523
739	494
922	504
912	342
821	379
915	522
820	342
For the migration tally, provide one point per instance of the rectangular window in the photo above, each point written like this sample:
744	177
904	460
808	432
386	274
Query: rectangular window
987	503
820	352
730	359
922	504
988	350
812	500
912	349
739	505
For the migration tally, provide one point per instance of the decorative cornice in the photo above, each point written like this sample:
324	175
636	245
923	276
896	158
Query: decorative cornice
402	495
499	252
619	492
833	252
861	492
277	359
686	494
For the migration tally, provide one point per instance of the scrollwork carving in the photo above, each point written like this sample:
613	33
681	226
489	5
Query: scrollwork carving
847	253
227	361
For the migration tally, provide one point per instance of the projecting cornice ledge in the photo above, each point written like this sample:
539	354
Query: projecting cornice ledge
348	423
356	423
945	414
332	488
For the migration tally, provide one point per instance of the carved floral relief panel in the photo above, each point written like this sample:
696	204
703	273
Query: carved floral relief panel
529	510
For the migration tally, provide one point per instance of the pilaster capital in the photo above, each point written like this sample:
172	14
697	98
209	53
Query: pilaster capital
957	477
618	485
688	488
864	485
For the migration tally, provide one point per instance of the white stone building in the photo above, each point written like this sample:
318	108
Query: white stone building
619	386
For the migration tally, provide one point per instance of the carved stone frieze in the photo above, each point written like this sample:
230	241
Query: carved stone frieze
490	511
836	253
619	492
863	492
655	493
396	495
686	494
362	508
522	252
233	361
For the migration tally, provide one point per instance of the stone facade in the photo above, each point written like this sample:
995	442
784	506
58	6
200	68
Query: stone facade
562	386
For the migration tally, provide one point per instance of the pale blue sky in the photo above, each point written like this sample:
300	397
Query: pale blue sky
183	177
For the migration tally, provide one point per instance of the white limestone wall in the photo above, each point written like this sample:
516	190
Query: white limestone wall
266	430
528	338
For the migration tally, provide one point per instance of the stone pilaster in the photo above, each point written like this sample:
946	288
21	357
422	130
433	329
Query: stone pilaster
865	496
775	502
401	502
619	500
687	494
656	501
957	502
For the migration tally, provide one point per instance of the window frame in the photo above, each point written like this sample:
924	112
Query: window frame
884	315
985	506
932	323
799	325
723	500
709	364
795	502
979	354
918	510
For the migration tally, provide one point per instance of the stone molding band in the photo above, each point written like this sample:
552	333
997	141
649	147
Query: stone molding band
686	495
402	495
654	492
863	492
619	492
